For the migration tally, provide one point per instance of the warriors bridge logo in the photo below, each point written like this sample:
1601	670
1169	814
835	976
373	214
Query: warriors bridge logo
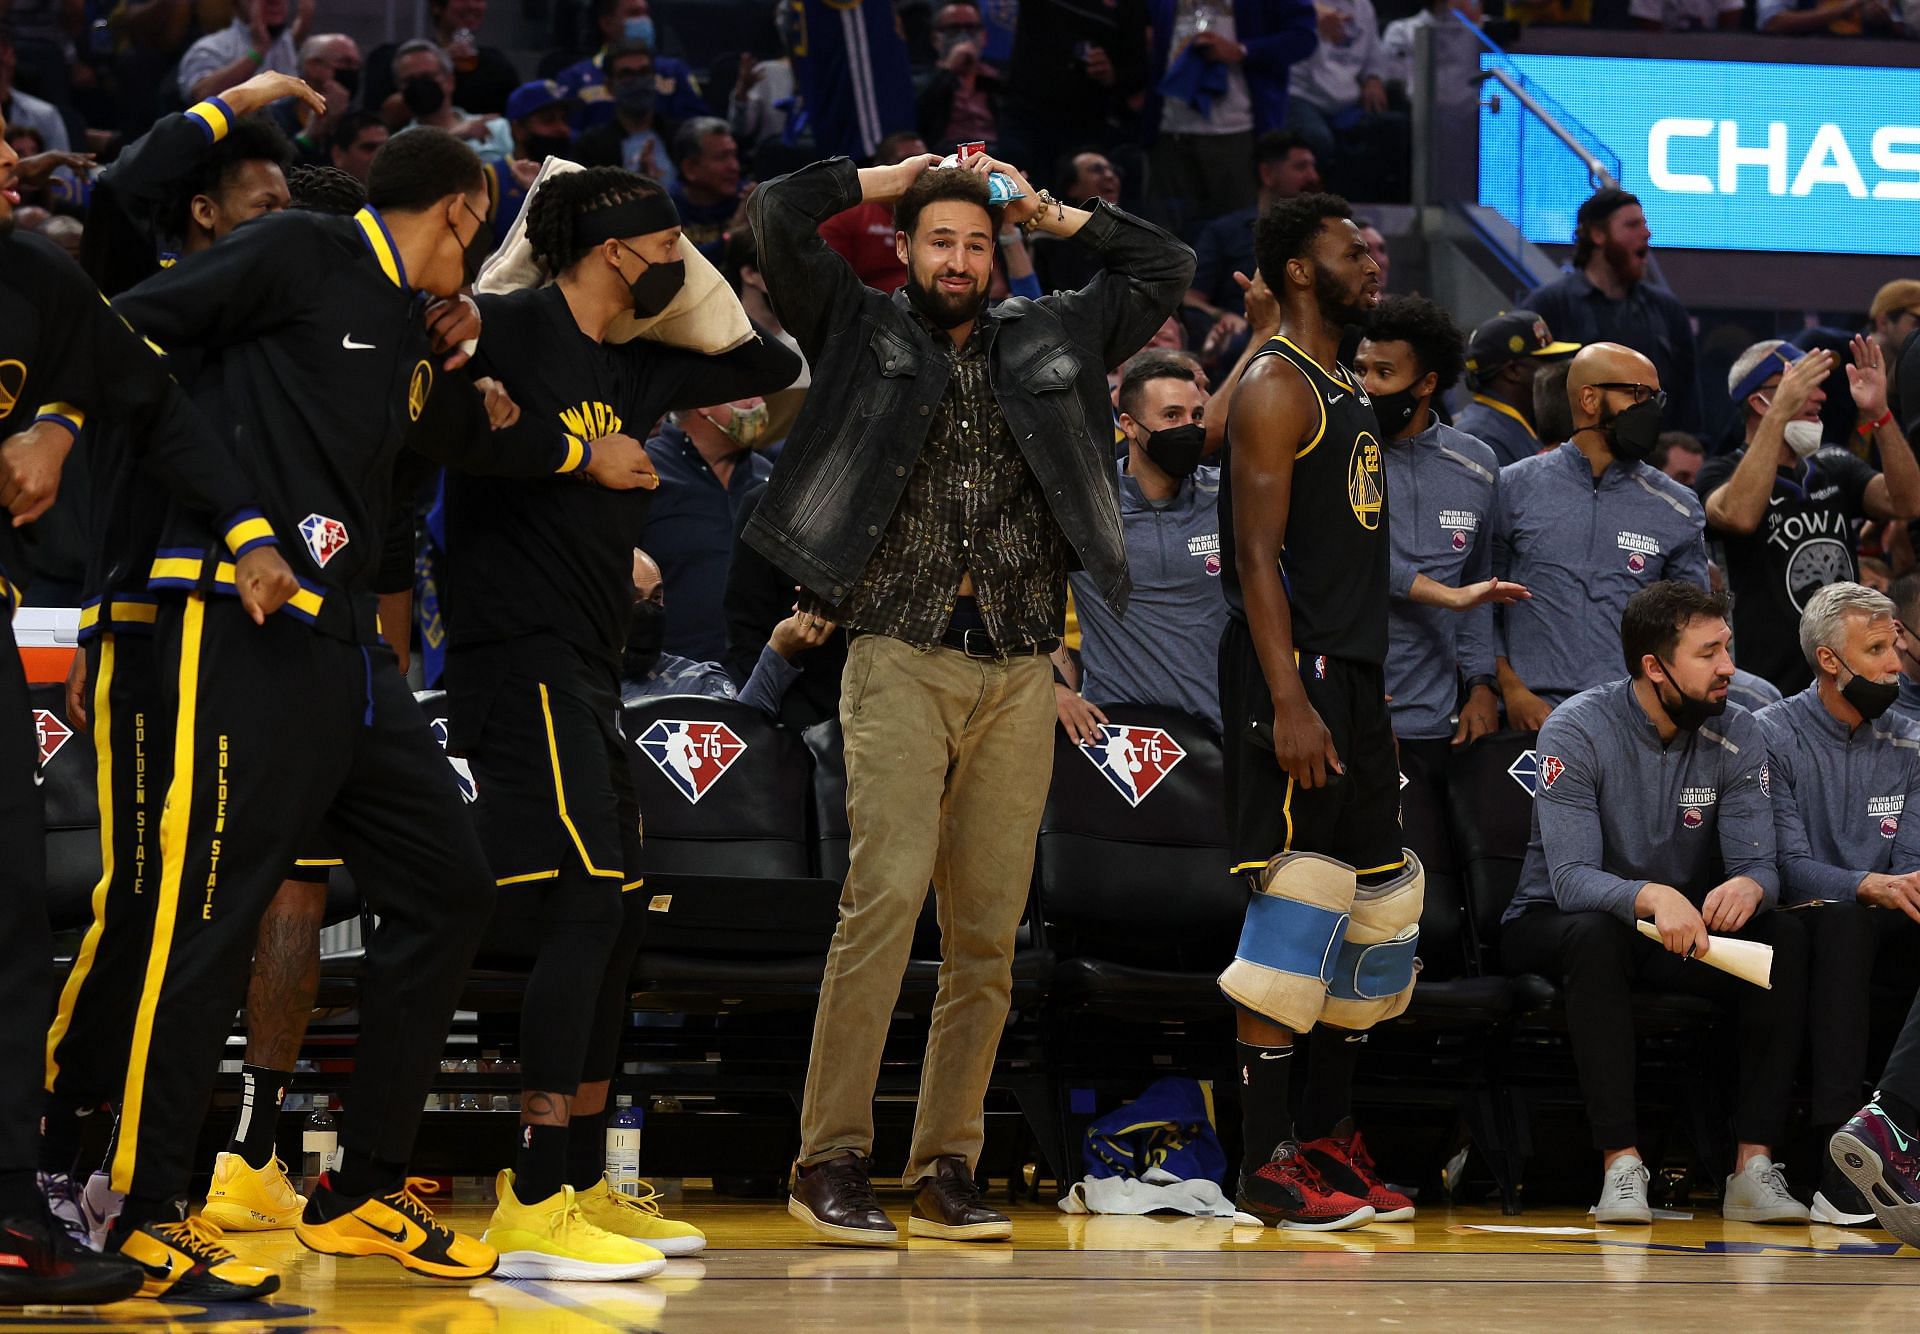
1133	759
692	755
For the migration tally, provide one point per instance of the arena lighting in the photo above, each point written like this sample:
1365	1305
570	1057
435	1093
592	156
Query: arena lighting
1725	155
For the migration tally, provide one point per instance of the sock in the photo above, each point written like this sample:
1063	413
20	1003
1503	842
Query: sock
1899	1111
587	1148
361	1178
1331	1057
1264	1085
540	1168
262	1090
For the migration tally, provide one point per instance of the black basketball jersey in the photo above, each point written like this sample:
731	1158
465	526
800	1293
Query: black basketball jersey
1334	561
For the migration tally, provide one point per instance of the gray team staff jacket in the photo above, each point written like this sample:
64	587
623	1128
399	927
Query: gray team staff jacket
1614	810
1444	485
1839	797
878	379
1583	548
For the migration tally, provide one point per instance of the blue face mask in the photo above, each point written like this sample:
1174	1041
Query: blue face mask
638	30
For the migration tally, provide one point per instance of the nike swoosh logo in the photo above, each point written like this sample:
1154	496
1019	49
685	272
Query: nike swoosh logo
1334	398
346	341
399	1238
159	1271
1275	1056
1903	1141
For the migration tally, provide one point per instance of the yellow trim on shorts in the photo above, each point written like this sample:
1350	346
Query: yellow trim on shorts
632	885
175	822
319	861
528	877
560	792
102	723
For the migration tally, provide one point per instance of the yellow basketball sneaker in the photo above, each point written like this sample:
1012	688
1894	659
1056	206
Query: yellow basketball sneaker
397	1225
553	1239
639	1217
185	1262
245	1198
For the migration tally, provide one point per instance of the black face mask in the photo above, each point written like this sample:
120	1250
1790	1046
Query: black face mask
474	254
540	147
1395	410
1690	711
1633	432
646	637
1176	450
635	97
348	79
1869	698
656	287
423	95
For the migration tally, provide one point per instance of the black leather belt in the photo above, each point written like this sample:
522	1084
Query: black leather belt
979	644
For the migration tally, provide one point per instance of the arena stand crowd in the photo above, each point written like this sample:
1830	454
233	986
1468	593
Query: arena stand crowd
1574	538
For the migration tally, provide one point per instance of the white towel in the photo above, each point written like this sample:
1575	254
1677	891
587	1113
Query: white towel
1159	1191
705	316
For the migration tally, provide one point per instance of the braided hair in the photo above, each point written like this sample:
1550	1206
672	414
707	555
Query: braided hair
561	200
318	189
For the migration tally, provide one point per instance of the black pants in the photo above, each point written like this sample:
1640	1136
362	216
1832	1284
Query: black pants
1599	961
92	1027
26	964
1843	940
278	727
1902	1075
559	820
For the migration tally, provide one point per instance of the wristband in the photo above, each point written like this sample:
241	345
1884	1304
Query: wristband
1868	428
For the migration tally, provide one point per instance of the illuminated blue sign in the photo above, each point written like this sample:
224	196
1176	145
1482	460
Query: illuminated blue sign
1724	155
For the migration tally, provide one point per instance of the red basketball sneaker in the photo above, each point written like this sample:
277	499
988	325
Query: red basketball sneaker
1343	1159
1291	1192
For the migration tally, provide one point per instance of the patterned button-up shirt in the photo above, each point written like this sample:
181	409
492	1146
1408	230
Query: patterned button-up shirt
971	504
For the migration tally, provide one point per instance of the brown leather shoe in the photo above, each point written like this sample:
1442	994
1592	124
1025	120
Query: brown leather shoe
836	1199
949	1207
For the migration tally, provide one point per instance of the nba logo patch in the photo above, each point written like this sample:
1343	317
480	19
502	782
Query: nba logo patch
325	538
1636	562
51	733
1459	541
1320	667
1692	818
462	771
1133	759
692	755
1889	826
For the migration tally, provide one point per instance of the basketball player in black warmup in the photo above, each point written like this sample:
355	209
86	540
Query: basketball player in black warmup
1312	782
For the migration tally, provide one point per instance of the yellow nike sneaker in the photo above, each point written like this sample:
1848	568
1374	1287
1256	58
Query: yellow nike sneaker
397	1225
245	1198
553	1239
639	1217
185	1262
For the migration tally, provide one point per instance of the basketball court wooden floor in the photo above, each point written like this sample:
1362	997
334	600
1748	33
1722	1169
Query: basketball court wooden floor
1095	1275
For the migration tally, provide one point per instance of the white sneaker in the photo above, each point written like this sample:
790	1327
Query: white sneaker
100	1204
63	1202
1623	1193
1758	1194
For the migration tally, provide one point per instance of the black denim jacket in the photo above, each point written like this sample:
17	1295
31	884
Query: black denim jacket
877	382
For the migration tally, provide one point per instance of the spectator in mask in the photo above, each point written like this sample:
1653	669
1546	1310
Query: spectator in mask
538	115
630	137
330	64
1784	508
647	669
484	77
1166	648
959	102
707	463
1585	526
629	23
424	74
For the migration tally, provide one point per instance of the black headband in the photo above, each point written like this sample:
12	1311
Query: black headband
630	217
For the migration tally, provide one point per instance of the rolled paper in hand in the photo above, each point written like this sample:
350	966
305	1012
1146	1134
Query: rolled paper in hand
1748	960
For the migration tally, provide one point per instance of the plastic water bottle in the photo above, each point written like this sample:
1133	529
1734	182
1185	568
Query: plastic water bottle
623	1147
319	1145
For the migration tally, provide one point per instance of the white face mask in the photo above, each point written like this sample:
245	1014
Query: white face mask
1803	437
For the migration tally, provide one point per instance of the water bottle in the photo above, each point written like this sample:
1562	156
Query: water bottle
623	1147
319	1145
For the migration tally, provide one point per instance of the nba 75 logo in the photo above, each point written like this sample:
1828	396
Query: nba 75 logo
1133	759
325	537
691	755
51	733
462	771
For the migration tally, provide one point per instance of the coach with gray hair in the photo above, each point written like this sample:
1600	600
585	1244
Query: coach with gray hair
1785	504
1842	770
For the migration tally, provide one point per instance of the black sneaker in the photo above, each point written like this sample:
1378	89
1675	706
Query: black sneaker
41	1265
1839	1203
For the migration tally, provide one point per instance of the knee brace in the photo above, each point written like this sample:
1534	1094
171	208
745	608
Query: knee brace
1373	973
1290	944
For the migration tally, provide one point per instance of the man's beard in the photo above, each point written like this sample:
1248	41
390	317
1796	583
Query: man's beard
945	311
1338	307
1622	259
